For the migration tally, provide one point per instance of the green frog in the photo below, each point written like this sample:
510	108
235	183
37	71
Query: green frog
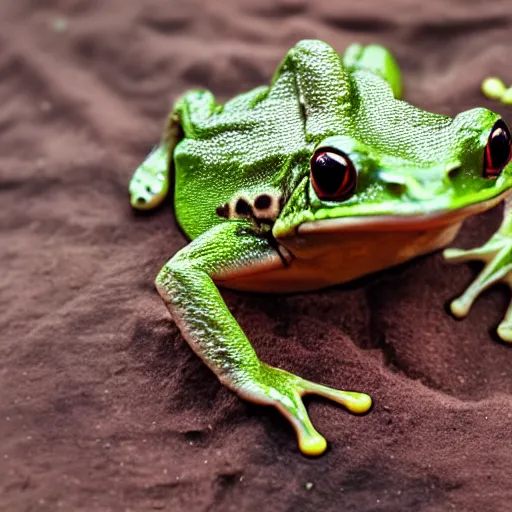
321	177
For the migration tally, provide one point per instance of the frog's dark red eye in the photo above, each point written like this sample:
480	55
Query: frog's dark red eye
498	150
333	175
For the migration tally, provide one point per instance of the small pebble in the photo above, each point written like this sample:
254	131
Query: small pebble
493	88
309	486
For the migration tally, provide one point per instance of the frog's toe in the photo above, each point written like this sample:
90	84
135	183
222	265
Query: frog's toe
489	276
312	445
497	256
310	441
357	403
285	391
505	331
460	307
483	253
150	182
138	201
146	190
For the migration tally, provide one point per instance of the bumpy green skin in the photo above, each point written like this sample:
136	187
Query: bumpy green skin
376	60
409	163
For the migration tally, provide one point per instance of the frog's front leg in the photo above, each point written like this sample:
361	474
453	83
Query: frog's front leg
497	256
186	283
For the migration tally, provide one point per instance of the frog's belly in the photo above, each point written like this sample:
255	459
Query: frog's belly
325	259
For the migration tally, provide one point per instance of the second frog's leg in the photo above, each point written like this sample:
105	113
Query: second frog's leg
186	283
376	59
497	256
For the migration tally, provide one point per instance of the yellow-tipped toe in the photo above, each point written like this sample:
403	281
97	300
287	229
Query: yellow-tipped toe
450	254
494	88
313	445
142	199
459	308
505	332
357	403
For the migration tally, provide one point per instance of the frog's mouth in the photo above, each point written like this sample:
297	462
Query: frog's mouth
404	222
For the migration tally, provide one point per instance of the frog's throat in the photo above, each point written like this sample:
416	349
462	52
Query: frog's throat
399	222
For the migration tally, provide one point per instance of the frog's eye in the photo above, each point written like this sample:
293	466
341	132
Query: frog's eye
332	174
498	150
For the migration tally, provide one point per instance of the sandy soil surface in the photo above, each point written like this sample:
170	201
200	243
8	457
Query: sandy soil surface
103	406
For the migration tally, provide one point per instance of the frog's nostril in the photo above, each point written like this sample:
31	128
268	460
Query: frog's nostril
398	189
453	169
454	172
395	183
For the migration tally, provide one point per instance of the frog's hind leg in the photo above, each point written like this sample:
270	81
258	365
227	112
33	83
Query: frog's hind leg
377	60
186	283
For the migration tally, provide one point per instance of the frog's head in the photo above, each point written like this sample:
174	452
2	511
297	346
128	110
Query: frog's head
416	171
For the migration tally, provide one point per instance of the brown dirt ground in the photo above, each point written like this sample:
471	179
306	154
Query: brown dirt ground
103	406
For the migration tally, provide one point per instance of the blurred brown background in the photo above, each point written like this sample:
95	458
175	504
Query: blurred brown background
103	407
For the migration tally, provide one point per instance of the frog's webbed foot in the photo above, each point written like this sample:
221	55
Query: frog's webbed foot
186	283
271	386
497	256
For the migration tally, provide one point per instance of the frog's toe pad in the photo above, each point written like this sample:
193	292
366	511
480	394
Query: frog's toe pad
271	386
312	445
146	191
505	331
453	255
358	403
497	256
150	182
460	307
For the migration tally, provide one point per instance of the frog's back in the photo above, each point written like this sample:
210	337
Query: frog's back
232	149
